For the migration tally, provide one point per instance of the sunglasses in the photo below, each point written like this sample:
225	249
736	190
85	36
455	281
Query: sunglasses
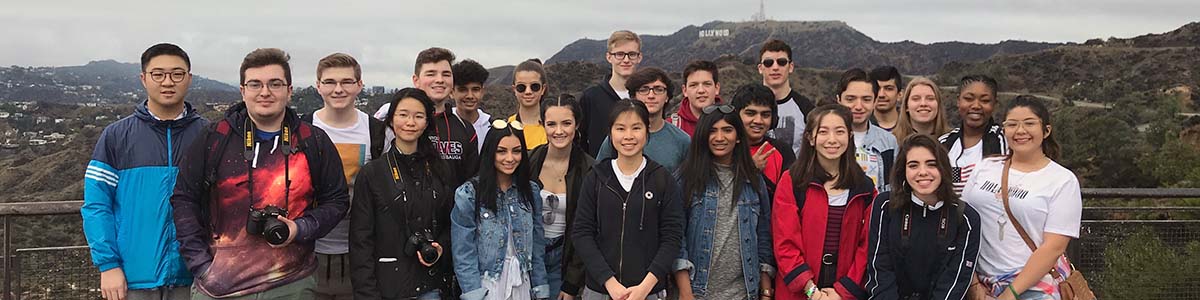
771	63
725	109
535	87
548	215
500	124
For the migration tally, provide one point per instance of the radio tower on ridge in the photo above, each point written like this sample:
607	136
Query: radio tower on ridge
761	16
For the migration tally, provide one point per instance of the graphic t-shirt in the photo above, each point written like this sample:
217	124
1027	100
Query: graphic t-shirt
1046	200
962	163
353	144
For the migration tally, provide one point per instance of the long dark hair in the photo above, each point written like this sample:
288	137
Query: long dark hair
486	189
1049	145
806	168
425	146
698	167
902	191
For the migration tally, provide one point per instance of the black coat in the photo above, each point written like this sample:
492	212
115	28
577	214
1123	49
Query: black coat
926	262
579	165
383	217
635	232
597	102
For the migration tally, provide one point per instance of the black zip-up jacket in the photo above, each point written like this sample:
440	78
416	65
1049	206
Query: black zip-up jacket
993	140
597	102
636	232
381	221
458	145
578	166
926	262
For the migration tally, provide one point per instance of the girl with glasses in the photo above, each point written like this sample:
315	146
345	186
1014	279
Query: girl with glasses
727	247
497	230
559	167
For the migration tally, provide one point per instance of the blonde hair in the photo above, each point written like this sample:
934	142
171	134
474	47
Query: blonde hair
904	127
623	36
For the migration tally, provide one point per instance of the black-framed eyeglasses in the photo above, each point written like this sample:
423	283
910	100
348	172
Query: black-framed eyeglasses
332	84
274	85
535	87
724	108
548	215
499	124
176	75
658	90
623	55
781	61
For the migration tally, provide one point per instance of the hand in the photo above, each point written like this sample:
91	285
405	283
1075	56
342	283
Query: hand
639	292
291	232
565	296
616	291
112	284
760	157
818	295
831	294
686	295
435	259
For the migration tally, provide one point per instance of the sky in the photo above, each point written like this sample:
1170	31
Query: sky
385	36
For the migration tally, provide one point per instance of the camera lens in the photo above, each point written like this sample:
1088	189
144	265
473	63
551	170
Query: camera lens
276	232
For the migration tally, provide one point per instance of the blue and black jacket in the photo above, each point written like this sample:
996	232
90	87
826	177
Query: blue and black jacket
127	215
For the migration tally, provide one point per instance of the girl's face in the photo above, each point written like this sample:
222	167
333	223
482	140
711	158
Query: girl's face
1024	130
921	172
408	122
721	142
529	88
508	155
628	134
976	104
831	138
560	126
922	104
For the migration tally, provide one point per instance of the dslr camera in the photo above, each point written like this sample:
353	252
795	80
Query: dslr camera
262	222
422	241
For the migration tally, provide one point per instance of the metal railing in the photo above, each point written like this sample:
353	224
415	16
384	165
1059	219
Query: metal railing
67	273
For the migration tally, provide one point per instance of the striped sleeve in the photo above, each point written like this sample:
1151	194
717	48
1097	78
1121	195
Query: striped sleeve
99	221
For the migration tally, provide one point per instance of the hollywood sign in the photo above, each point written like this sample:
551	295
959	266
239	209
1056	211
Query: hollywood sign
714	33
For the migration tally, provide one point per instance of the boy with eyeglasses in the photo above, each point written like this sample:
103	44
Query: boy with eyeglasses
624	54
358	138
776	66
666	144
127	185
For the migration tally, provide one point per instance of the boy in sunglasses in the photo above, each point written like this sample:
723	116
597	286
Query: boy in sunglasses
776	66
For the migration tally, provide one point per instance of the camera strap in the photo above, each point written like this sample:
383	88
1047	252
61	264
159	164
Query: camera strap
251	155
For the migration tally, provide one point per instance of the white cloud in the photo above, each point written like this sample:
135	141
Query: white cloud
386	35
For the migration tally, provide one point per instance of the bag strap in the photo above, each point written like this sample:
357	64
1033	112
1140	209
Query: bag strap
1012	219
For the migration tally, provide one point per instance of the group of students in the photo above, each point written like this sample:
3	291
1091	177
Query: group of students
868	194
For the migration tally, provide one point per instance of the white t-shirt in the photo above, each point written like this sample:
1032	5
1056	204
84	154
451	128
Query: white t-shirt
481	125
839	199
354	148
622	94
558	210
1046	200
791	124
860	138
627	180
964	161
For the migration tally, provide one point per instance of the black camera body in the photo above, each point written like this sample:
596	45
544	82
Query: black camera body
422	241
262	222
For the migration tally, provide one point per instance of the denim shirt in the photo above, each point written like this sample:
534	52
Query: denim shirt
754	229
480	239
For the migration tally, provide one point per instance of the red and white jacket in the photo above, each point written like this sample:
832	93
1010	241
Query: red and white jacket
799	239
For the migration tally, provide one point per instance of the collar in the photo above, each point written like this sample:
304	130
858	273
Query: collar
935	206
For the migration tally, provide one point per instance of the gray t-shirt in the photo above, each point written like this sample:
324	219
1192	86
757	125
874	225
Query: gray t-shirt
726	279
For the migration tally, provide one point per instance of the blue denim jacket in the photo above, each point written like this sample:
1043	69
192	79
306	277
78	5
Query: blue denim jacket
480	240
754	228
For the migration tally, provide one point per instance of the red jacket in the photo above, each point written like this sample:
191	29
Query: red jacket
684	119
799	243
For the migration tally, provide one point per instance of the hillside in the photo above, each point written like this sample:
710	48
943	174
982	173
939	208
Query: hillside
105	81
816	44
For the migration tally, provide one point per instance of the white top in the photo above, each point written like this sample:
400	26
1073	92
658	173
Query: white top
839	199
622	94
559	211
627	180
920	202
1046	200
481	126
513	284
791	124
354	149
860	139
964	161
